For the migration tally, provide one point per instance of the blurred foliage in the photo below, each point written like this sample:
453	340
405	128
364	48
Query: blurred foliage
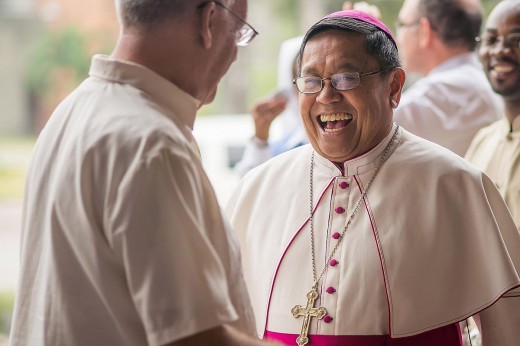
11	183
6	308
15	153
287	11
56	50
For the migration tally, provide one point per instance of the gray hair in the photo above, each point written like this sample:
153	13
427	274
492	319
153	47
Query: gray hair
378	44
146	13
457	22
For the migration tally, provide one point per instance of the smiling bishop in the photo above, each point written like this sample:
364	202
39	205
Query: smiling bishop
369	235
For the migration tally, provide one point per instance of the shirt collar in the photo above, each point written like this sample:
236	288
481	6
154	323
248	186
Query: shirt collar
165	93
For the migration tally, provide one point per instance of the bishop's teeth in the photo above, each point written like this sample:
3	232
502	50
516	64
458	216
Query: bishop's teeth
335	117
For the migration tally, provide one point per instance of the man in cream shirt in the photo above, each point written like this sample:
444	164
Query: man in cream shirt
123	242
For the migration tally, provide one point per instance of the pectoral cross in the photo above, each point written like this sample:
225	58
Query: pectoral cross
308	312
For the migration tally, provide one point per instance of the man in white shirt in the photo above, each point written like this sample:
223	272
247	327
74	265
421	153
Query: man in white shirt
452	101
370	235
123	242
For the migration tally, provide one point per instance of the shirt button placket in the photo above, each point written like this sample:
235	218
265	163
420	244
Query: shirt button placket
331	290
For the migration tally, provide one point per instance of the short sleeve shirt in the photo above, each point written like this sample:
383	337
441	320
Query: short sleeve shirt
123	241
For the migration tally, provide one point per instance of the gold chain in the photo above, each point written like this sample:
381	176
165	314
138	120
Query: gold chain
383	159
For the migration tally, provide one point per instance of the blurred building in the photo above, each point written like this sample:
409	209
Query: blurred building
16	8
45	48
73	32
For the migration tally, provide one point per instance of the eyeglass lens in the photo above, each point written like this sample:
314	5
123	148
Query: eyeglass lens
341	81
511	40
245	36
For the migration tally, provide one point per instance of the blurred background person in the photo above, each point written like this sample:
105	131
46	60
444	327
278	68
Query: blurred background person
496	148
283	104
373	10
453	100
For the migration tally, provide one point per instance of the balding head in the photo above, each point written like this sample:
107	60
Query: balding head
173	38
457	22
142	14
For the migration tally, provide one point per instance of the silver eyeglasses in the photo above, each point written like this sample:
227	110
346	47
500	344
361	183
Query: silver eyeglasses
511	40
246	34
341	81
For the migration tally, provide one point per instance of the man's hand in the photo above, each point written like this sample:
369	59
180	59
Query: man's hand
363	6
264	112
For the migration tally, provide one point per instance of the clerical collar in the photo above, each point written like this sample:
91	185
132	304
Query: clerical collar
358	165
341	164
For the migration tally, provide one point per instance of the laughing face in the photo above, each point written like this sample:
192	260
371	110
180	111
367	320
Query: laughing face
500	51
344	124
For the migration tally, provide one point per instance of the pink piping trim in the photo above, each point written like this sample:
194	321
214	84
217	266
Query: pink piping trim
285	252
376	238
381	262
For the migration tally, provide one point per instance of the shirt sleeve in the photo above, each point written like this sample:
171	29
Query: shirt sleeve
169	247
420	110
255	154
446	112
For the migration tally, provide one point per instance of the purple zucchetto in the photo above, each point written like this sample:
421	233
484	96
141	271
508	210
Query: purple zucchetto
364	17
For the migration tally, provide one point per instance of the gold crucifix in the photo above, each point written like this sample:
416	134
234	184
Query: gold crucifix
308	312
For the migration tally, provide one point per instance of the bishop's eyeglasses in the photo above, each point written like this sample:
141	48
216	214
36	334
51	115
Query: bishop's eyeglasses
489	40
341	81
246	34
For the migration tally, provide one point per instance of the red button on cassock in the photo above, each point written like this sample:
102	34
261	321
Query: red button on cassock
340	210
327	319
330	290
344	185
333	262
336	235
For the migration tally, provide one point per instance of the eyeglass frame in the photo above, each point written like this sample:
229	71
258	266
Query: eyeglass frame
245	37
504	38
358	74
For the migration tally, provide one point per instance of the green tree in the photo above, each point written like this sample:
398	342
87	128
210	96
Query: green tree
57	49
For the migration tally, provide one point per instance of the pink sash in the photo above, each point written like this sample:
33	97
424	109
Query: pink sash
445	336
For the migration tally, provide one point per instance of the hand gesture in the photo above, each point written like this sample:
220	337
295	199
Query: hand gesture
264	112
363	6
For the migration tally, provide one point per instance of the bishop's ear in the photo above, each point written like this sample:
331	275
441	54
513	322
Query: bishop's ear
207	24
396	86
